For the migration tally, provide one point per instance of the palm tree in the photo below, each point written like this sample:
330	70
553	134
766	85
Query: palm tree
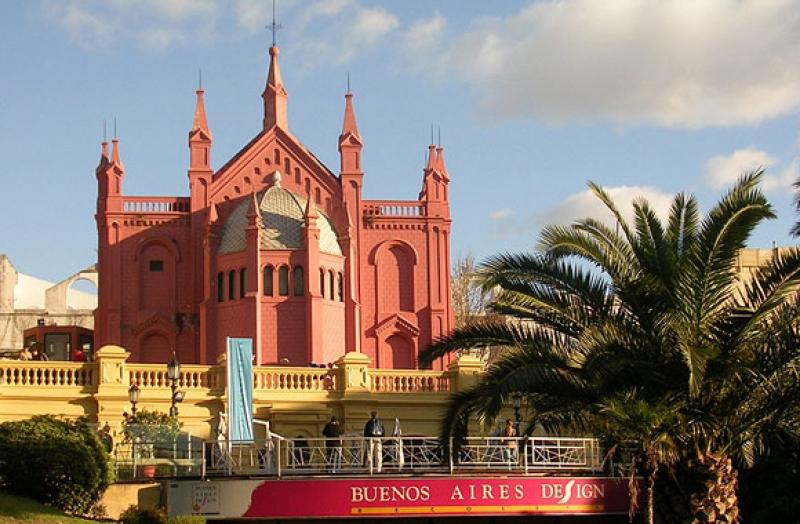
604	327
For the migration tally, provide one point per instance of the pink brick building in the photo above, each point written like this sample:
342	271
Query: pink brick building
273	246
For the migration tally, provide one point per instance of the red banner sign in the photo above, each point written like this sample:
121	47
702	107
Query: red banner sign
453	496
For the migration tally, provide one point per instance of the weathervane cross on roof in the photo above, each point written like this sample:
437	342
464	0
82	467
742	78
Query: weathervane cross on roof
274	26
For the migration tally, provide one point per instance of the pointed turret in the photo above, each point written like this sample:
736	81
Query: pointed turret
252	209
110	174
310	215
431	164
199	137
275	95
440	166
349	126
435	178
115	153
350	145
213	215
200	123
103	154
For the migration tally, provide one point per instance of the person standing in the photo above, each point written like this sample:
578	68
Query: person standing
374	431
333	444
510	441
106	438
25	354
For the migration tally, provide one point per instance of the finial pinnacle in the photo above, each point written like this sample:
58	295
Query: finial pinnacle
348	81
432	134
115	128
199	79
274	26
440	137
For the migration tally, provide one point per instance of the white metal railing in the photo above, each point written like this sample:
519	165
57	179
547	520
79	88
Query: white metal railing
356	455
544	453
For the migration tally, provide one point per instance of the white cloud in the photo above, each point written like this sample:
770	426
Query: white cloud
252	15
372	24
323	8
673	63
424	34
585	204
723	171
784	179
153	24
339	32
501	214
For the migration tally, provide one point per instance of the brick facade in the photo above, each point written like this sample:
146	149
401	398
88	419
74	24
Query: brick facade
345	274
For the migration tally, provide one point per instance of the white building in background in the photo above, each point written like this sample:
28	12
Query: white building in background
26	300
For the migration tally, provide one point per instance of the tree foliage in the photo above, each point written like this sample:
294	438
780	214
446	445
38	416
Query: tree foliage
645	333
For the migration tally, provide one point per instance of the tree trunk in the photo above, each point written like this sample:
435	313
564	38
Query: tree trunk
651	503
715	501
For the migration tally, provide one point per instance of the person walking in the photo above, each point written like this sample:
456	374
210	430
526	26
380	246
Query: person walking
333	444
374	431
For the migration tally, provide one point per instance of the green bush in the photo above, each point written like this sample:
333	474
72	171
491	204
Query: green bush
136	515
57	462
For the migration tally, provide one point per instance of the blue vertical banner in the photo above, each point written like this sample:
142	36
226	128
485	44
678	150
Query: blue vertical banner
240	390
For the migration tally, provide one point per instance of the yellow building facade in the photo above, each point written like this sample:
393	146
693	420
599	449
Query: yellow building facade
297	401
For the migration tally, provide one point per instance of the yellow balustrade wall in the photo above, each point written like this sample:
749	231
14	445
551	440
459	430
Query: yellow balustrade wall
296	401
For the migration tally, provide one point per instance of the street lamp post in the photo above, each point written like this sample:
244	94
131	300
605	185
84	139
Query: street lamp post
174	373
517	398
133	397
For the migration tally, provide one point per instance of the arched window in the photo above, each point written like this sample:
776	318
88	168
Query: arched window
220	287
283	281
331	292
242	282
231	284
340	285
277	158
268	281
322	282
299	281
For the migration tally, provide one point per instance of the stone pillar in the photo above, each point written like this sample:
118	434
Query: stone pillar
353	369
464	372
113	380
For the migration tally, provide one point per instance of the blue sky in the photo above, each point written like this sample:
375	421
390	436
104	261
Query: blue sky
533	99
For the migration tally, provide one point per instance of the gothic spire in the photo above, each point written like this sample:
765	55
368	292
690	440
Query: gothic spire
349	126
200	123
310	213
274	94
115	151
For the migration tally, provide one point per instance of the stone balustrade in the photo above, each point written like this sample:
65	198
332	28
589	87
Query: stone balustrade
35	374
192	376
142	205
393	208
293	379
408	381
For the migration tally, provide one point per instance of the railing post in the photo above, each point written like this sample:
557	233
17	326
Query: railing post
450	453
278	457
464	372
112	381
353	372
203	460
